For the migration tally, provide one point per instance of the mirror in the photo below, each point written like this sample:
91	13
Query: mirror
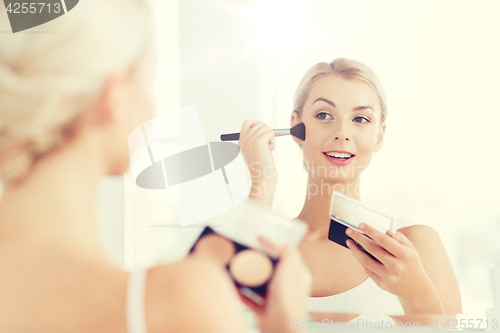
439	163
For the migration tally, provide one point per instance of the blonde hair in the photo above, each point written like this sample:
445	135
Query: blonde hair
346	68
48	80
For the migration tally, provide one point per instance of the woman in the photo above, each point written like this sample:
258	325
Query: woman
68	101
343	107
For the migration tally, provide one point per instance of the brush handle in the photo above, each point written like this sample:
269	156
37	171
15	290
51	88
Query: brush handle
236	136
280	132
230	137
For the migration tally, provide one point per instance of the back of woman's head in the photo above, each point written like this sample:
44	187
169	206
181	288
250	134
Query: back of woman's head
346	68
48	80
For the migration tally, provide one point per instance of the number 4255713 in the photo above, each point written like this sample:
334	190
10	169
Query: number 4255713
470	324
33	8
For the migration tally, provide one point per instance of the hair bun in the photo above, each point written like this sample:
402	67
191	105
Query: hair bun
47	81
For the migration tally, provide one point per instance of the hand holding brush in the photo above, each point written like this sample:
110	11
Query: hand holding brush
256	141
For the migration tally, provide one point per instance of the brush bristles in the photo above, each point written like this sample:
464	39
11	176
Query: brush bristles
299	131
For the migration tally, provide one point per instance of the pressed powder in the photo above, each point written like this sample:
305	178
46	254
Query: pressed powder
215	247
251	268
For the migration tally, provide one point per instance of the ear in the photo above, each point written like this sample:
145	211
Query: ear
107	107
380	137
294	121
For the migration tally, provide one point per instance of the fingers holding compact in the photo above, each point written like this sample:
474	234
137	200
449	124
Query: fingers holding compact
399	265
400	237
384	247
291	284
371	247
290	261
288	289
396	247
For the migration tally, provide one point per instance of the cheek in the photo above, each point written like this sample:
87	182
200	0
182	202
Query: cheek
144	110
365	141
140	108
316	136
147	99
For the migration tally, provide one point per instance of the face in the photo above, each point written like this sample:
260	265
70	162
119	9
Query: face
133	104
342	119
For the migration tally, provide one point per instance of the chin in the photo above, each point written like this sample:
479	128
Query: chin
119	167
330	179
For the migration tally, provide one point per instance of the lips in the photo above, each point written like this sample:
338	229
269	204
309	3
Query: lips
339	157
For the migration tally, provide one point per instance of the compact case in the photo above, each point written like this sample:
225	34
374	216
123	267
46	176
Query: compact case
238	245
347	212
254	291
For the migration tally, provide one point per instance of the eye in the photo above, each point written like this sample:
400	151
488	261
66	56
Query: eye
361	120
323	116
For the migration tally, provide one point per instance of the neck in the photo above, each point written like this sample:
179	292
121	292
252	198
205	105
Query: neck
56	201
316	210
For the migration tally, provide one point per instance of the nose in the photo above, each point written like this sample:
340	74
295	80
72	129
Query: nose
341	133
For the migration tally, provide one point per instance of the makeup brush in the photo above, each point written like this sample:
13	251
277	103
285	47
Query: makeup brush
298	131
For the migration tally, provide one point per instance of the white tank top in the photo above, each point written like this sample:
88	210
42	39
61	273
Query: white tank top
136	288
366	297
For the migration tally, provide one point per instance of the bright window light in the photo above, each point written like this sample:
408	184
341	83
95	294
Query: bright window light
278	26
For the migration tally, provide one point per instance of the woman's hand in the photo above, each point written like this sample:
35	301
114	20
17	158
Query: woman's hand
286	294
257	140
399	271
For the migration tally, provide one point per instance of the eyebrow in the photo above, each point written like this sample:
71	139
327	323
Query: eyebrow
326	101
357	108
363	107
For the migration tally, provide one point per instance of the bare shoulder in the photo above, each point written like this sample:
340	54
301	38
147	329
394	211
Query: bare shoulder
418	232
46	277
423	237
437	265
184	270
191	295
188	278
428	244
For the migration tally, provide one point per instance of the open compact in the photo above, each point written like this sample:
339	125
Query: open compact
238	249
250	269
346	212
